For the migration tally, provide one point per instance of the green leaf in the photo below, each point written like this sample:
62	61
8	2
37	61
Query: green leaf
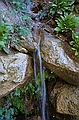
77	21
71	42
1	23
52	11
76	53
26	17
2	44
71	2
57	29
5	50
17	92
53	5
11	111
76	9
60	7
74	49
45	74
1	110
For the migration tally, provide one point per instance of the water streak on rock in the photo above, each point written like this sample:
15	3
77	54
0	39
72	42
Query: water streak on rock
42	86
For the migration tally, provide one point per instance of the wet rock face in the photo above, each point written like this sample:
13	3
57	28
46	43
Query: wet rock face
67	98
59	57
14	71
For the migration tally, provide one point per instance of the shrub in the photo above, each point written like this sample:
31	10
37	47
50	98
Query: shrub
59	7
67	23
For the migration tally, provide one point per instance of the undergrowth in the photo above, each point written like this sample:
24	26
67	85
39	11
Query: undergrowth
15	101
21	27
5	29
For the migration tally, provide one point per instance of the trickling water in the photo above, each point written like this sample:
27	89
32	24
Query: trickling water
43	100
42	84
34	59
43	87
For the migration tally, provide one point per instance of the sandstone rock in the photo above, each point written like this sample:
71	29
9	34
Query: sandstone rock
58	56
67	98
29	44
18	47
14	71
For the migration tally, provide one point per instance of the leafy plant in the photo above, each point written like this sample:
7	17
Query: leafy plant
5	28
44	12
46	74
6	112
17	103
59	7
75	42
16	100
19	5
49	74
22	26
24	31
30	90
67	23
26	17
16	97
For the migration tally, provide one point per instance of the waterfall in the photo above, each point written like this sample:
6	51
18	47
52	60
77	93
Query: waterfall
42	85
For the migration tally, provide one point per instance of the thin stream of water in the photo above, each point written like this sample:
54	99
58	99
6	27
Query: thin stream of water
43	87
34	59
44	100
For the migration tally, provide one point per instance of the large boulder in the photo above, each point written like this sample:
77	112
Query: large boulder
67	98
15	70
59	57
